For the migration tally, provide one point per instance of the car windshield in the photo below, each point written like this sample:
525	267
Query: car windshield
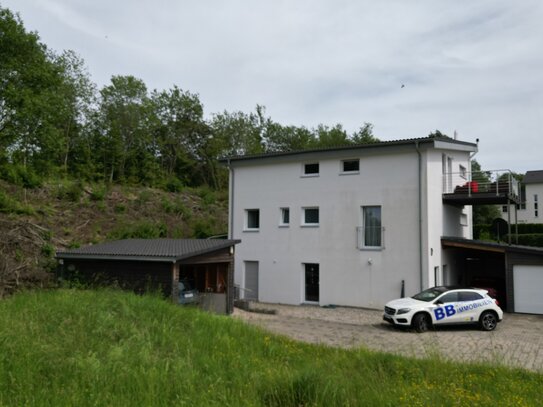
430	294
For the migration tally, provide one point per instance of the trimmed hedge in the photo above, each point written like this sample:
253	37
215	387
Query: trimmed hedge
528	239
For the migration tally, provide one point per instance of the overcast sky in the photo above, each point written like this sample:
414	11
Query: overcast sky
471	66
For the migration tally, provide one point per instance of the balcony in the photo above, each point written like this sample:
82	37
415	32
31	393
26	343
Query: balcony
480	188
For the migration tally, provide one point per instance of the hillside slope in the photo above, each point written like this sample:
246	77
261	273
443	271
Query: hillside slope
35	223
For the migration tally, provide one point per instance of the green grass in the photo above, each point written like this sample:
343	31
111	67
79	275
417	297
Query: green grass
111	348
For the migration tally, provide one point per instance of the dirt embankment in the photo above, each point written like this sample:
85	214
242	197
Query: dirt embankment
35	223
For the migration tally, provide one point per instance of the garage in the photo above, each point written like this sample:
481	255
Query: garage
514	272
528	283
202	266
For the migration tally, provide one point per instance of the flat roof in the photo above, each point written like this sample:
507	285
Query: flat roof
488	246
160	250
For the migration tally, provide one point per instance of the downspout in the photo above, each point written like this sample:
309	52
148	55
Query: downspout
420	216
231	201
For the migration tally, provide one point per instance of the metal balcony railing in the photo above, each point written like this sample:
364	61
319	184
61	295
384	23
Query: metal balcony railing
370	237
498	182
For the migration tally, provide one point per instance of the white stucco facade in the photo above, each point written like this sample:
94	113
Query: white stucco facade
402	179
530	209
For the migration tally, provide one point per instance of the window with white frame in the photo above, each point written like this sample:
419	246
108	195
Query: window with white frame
252	219
310	216
463	172
285	217
350	166
464	219
371	235
311	169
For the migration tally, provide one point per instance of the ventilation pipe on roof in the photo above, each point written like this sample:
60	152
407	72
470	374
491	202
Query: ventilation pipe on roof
420	216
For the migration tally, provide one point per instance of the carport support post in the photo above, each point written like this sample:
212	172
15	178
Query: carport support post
175	282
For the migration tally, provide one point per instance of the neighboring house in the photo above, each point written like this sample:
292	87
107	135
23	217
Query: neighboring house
158	264
529	209
353	226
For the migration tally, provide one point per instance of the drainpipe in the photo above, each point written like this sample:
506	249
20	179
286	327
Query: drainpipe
231	201
420	216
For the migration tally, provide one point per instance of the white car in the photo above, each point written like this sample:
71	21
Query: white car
443	306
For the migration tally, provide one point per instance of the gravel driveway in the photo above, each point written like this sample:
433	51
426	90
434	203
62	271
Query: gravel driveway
516	342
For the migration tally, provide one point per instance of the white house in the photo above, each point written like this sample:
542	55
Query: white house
528	211
348	225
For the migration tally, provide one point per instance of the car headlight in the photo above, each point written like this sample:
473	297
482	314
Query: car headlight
403	311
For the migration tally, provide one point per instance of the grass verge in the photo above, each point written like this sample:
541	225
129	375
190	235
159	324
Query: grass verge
107	347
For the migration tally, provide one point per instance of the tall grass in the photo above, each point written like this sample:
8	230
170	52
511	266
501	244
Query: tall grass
111	348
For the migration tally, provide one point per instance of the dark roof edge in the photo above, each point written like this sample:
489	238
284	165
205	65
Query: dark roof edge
505	246
170	259
382	144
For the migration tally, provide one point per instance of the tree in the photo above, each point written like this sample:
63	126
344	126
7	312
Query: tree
482	214
124	136
29	101
364	135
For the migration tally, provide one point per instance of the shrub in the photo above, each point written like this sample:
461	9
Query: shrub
9	204
98	193
120	208
527	239
140	230
22	176
70	191
177	207
174	184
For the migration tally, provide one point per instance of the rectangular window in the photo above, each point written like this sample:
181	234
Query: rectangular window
311	169
463	172
310	216
350	166
372	226
464	219
285	217
536	206
504	208
252	219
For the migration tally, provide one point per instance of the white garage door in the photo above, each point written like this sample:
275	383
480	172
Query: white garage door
528	285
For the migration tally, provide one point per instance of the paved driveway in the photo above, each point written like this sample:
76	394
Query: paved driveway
516	342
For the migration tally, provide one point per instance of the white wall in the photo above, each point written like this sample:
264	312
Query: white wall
527	215
348	276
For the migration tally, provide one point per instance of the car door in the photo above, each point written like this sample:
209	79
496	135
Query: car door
445	308
469	306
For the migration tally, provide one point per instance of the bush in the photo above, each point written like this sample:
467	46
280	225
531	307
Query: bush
70	191
98	193
174	184
529	228
141	230
177	207
527	239
9	204
22	176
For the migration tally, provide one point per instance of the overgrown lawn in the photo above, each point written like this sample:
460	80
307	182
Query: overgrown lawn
111	348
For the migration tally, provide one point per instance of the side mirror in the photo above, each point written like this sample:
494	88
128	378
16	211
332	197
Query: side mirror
438	302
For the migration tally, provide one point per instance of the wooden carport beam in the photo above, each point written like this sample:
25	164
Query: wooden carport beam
474	246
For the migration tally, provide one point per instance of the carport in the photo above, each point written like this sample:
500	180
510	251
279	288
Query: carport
141	265
516	272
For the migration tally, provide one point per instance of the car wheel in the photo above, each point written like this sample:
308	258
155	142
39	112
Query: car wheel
488	321
421	322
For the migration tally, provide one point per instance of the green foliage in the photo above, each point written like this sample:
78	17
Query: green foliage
530	228
22	176
177	207
527	239
48	250
9	204
70	191
111	348
98	193
139	230
120	208
203	228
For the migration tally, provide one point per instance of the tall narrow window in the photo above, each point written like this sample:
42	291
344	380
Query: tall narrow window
252	221
372	226
310	216
536	206
285	217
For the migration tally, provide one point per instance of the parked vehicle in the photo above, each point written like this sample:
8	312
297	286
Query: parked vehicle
444	306
187	294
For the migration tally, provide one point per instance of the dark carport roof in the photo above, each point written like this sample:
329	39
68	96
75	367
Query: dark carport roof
148	249
488	246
